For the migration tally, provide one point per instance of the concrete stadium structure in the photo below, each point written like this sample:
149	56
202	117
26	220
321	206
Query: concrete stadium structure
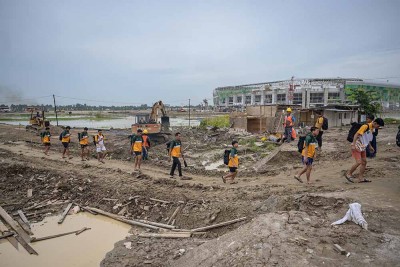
307	93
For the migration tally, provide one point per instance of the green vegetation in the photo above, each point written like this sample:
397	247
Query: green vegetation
368	100
219	121
390	121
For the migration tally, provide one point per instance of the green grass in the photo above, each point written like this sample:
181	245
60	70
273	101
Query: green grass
391	121
219	121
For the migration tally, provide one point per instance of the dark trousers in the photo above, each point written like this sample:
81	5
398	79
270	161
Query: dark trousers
176	162
145	154
373	144
288	134
319	138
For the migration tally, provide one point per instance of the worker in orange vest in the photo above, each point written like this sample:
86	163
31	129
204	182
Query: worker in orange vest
288	124
146	144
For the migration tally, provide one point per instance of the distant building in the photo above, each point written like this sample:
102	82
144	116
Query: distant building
4	108
306	93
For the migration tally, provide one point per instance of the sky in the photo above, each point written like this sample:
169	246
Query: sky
139	52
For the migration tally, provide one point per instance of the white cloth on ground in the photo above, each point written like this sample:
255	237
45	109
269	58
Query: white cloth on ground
354	214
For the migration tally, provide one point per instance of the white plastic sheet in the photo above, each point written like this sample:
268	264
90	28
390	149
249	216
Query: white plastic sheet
354	214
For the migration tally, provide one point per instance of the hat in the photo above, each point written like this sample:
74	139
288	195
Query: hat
145	131
289	110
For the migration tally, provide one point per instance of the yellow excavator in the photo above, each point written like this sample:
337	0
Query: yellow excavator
37	120
156	123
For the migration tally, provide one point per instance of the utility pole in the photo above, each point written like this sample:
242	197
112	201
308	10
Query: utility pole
189	112
55	108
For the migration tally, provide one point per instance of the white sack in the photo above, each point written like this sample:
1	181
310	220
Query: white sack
354	214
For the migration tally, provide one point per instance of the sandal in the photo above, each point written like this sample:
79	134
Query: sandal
298	179
223	179
233	182
365	181
349	178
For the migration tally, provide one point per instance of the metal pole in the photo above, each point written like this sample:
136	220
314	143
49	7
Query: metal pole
189	112
55	108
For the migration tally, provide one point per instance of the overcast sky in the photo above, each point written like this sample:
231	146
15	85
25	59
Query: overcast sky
143	51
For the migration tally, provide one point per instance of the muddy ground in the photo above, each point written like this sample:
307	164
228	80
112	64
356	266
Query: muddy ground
288	223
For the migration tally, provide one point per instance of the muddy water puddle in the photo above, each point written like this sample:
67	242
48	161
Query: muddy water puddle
87	249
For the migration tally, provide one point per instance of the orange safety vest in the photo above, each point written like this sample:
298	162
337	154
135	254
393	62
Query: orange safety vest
288	118
145	137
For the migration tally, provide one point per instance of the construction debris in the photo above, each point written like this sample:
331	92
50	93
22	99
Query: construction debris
218	225
339	249
77	232
65	213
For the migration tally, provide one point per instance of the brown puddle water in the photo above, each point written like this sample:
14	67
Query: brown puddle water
87	249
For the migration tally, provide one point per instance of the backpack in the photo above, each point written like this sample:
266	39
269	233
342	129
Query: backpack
42	135
226	156
398	138
61	136
325	124
168	144
300	143
355	126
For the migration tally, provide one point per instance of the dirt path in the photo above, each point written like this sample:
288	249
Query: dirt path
288	222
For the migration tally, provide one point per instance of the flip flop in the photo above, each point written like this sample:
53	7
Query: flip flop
234	182
298	179
348	178
223	179
365	181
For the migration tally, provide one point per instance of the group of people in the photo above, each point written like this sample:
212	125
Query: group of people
83	138
363	144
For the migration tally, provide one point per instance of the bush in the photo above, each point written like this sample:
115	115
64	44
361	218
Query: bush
390	121
219	121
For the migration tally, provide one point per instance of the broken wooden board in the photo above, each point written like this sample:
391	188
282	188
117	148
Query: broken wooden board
6	235
77	232
167	235
23	218
218	225
24	226
174	214
22	237
121	219
65	213
161	225
265	160
339	249
13	241
159	200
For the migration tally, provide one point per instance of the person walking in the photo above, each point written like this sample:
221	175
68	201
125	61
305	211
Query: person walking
100	147
288	124
308	154
84	142
65	140
175	152
318	124
45	136
146	144
233	164
362	139
370	118
137	148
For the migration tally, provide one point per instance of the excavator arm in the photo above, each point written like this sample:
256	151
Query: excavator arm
159	105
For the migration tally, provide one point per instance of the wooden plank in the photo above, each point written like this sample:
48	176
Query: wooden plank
13	241
161	225
339	249
218	225
14	225
24	226
159	200
65	213
6	235
265	160
22	237
167	235
174	214
77	232
121	219
23	218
